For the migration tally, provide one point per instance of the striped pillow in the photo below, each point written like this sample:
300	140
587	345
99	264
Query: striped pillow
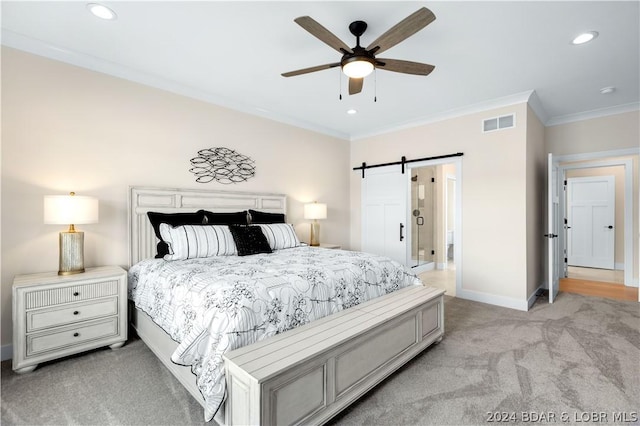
191	241
280	235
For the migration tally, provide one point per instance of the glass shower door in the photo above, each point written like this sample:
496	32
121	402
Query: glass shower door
423	216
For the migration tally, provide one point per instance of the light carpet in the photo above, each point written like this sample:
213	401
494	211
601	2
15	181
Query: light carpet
570	362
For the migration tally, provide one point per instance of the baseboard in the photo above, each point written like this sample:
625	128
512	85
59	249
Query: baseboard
619	266
6	352
534	296
493	299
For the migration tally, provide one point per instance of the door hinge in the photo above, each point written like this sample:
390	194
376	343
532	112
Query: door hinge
433	180
565	260
433	252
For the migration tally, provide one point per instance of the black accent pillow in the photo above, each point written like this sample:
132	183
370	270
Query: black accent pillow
249	240
173	219
264	217
237	218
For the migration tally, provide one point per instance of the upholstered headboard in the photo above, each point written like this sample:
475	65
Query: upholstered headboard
142	240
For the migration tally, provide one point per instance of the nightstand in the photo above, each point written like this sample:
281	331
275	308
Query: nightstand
59	315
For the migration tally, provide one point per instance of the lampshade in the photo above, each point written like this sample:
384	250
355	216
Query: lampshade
70	209
357	68
315	211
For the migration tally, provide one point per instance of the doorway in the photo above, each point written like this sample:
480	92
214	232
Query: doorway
441	270
423	213
610	197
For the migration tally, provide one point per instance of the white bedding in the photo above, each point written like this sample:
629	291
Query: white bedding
216	304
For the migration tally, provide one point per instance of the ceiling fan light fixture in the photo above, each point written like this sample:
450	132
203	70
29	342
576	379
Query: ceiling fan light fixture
358	67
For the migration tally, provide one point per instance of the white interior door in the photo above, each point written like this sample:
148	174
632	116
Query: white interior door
384	212
591	218
553	223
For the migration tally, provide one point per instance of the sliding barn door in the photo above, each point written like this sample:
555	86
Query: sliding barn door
384	212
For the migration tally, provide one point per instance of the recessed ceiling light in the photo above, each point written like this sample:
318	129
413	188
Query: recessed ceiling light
351	111
101	11
585	37
607	90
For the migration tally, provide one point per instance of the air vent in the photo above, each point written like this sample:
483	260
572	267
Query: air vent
499	123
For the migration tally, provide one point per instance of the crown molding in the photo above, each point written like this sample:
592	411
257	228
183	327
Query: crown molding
597	113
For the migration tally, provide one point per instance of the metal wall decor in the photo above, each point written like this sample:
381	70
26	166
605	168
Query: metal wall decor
223	165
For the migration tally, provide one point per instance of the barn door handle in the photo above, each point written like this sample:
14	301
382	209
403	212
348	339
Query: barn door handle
401	229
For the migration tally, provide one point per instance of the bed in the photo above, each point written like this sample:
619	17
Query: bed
191	312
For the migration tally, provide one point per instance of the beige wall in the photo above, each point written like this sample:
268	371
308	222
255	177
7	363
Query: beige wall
66	128
536	187
608	133
494	215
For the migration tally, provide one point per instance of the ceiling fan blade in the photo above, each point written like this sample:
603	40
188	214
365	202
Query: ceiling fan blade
322	34
406	67
355	85
403	30
310	69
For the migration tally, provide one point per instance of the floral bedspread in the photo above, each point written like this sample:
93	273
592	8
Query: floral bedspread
217	304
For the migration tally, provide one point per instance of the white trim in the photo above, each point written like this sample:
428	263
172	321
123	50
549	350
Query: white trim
629	255
41	48
538	109
589	115
6	352
596	155
493	299
515	99
425	267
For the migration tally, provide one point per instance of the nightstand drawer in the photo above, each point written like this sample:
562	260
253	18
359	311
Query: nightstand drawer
45	318
71	336
72	293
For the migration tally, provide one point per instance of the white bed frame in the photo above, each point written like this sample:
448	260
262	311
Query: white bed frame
348	352
142	245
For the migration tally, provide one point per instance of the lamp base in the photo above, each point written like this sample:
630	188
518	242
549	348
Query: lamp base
71	253
315	234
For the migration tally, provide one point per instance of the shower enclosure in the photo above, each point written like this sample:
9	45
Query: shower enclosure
423	213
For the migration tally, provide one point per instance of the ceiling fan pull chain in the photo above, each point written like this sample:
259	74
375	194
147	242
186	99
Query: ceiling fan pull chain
340	84
375	85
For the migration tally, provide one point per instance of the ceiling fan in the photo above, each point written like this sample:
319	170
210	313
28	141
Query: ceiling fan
358	62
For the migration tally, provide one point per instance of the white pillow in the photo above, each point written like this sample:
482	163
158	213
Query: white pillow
191	241
280	235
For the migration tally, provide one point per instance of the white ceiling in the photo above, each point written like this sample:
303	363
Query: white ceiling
232	54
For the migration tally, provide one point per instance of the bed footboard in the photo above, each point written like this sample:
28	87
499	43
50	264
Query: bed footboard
308	374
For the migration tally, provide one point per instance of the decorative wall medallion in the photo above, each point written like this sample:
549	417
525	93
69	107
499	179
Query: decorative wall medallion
223	165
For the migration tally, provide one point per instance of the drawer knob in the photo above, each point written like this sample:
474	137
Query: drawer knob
76	334
76	312
75	293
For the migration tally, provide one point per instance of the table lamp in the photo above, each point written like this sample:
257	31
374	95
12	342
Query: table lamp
70	210
315	211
